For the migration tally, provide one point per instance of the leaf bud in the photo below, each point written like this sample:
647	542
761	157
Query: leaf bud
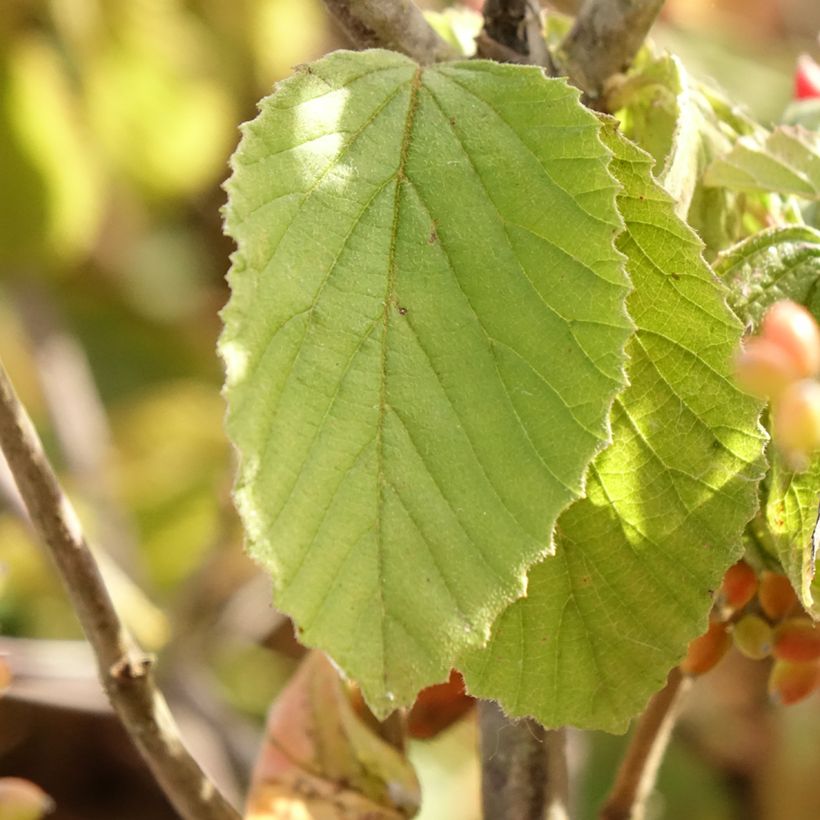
753	636
797	640
776	595
792	682
705	652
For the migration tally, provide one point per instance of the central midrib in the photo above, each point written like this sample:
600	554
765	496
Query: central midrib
389	299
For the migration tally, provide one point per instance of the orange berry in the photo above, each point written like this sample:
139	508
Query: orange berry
776	595
739	586
5	678
796	419
763	368
793	328
704	652
797	640
792	682
22	800
754	637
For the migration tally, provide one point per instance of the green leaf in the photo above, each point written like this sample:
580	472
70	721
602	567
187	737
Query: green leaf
637	559
780	263
415	387
659	110
787	161
686	125
783	263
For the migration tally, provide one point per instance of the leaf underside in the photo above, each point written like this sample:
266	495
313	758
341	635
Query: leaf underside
424	337
637	559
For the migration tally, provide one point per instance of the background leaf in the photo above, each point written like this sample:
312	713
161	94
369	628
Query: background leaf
321	760
783	263
414	386
786	161
637	559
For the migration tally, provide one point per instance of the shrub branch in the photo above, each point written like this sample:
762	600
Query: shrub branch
393	24
604	40
639	768
125	672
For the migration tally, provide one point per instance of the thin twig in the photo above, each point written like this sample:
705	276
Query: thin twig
604	40
639	768
393	24
125	672
514	768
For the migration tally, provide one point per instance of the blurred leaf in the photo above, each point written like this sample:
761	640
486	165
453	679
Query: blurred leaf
458	25
805	113
154	96
284	34
173	454
252	676
33	601
22	800
787	161
371	315
783	263
637	559
51	204
321	761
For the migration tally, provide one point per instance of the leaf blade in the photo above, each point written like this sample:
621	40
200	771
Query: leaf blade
392	347
636	559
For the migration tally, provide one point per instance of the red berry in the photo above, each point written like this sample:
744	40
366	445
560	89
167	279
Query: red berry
791	682
806	78
797	640
792	328
739	586
776	595
704	652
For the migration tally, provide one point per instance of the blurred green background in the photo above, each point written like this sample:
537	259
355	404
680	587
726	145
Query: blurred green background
117	118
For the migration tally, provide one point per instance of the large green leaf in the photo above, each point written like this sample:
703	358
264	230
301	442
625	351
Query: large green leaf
783	263
637	559
424	337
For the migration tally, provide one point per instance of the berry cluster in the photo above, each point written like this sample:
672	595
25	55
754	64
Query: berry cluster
763	618
781	365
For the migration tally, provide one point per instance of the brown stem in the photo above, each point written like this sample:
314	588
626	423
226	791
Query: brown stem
504	22
124	671
523	768
513	33
393	24
639	767
604	40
